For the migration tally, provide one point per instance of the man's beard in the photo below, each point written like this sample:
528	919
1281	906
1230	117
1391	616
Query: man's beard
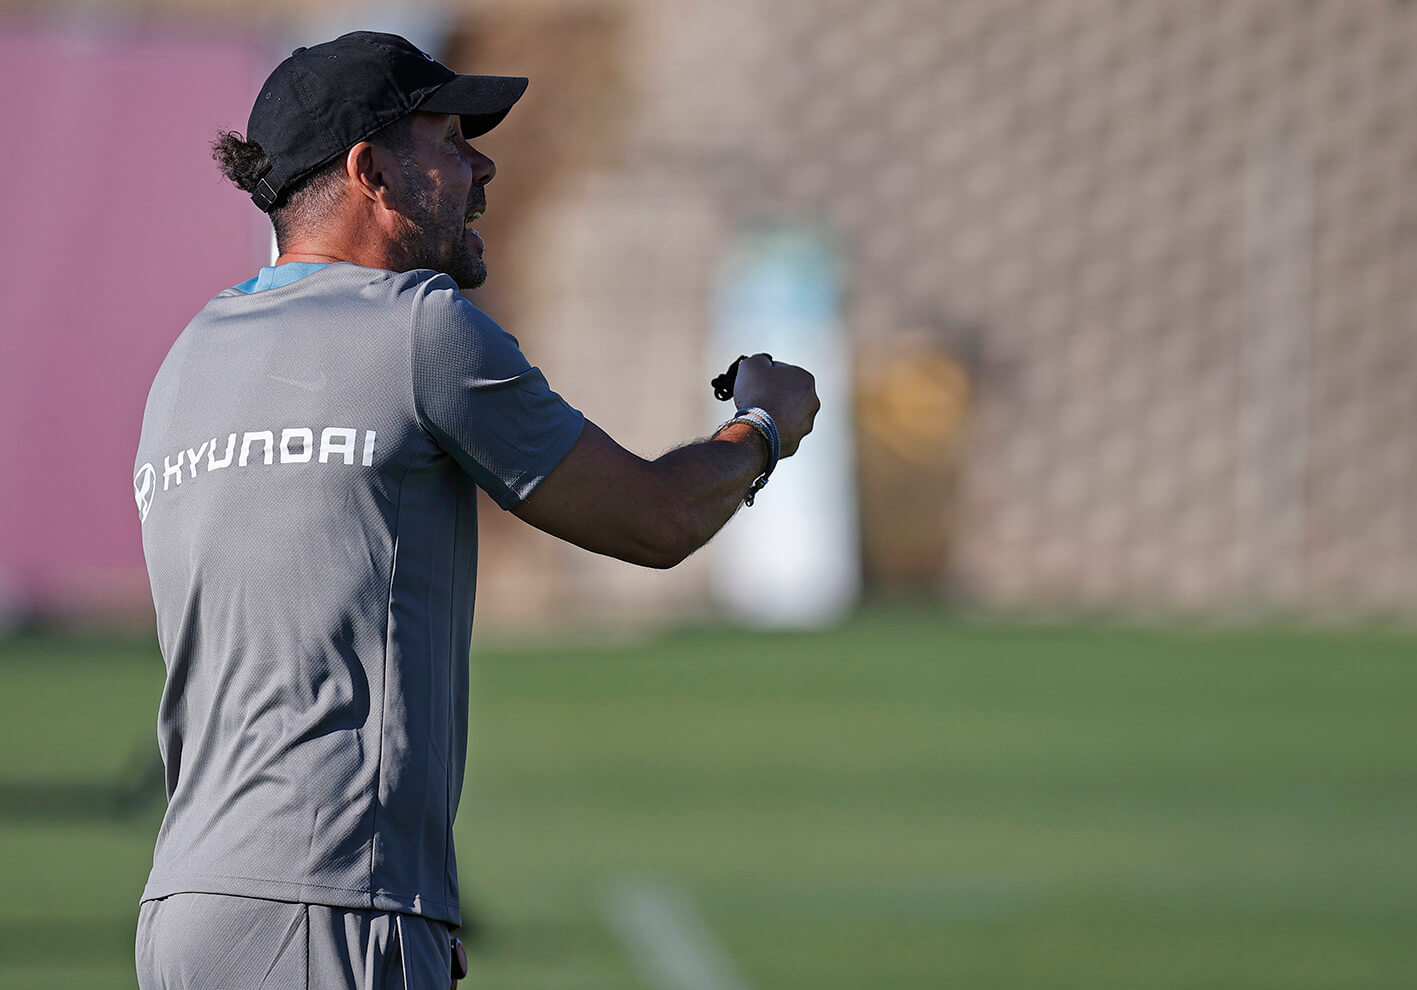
435	236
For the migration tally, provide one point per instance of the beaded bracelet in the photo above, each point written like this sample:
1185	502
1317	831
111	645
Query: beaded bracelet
762	421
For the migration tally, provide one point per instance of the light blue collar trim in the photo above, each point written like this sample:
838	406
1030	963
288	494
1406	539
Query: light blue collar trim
277	276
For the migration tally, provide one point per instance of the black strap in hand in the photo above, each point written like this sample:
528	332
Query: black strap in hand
723	384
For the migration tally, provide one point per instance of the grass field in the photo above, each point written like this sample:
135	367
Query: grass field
909	801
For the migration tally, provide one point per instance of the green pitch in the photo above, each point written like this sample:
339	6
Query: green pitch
908	801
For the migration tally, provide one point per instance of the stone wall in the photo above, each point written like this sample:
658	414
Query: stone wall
1170	244
1131	281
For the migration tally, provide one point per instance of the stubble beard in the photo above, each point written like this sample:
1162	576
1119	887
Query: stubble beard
434	236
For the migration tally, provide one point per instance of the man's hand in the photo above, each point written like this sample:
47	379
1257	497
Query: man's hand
787	392
459	963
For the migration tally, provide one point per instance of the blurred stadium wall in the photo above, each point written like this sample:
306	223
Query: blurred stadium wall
116	230
1131	282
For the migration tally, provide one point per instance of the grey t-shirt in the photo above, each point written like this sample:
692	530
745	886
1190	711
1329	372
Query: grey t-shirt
306	480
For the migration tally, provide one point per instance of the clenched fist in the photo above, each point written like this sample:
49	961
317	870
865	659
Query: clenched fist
787	392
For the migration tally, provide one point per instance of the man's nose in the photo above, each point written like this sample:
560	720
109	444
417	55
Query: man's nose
483	168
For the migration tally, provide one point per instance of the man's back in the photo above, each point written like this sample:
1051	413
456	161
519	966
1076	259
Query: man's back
310	455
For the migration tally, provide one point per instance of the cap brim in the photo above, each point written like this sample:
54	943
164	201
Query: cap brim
481	101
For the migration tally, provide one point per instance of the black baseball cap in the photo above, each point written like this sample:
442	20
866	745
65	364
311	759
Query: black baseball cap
323	100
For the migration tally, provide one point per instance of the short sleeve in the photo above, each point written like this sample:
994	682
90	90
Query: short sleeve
481	400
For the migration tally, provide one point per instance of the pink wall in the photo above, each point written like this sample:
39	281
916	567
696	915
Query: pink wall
117	228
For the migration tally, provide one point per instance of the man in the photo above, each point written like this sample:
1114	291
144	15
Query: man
306	480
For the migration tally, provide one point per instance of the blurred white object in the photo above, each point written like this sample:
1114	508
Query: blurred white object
792	559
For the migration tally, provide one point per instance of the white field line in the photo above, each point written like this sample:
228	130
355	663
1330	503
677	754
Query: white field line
667	939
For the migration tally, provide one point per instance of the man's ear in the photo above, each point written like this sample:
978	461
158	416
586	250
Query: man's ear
372	172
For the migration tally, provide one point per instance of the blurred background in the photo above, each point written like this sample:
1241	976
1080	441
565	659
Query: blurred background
1078	647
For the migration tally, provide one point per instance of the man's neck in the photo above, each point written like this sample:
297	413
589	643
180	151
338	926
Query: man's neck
306	256
359	241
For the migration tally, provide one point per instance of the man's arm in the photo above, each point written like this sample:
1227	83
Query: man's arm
655	513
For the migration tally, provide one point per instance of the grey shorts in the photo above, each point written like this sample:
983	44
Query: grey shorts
195	941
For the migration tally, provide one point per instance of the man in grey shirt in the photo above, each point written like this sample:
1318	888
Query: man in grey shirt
306	481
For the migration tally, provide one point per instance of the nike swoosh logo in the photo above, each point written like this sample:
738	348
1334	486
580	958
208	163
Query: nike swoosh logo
309	386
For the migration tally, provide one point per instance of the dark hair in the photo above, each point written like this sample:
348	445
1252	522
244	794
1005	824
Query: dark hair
311	199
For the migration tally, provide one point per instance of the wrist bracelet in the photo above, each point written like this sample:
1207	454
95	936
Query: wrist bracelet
762	421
